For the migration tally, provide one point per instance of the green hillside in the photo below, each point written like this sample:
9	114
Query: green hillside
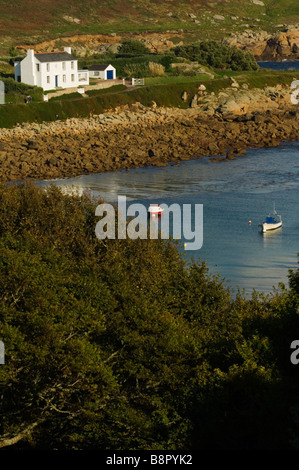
33	21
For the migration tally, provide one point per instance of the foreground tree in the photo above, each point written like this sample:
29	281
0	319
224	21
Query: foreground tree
122	345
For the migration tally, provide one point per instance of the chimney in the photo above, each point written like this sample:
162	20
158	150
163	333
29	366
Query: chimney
68	50
30	54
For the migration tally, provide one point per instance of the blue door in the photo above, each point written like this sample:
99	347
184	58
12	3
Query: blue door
109	74
56	80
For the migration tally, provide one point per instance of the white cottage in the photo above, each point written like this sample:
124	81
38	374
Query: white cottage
51	70
106	72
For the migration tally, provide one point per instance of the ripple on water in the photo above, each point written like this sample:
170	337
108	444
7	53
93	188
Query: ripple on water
232	193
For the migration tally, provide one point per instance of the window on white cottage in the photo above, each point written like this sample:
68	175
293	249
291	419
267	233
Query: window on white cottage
48	67
37	67
72	65
73	77
64	78
48	79
63	65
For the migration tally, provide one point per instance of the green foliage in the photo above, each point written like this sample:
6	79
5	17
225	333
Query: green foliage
132	47
113	89
13	51
219	56
166	60
22	89
131	66
294	281
66	96
136	70
121	345
121	63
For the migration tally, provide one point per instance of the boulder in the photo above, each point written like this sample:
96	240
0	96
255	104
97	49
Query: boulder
194	101
213	148
258	2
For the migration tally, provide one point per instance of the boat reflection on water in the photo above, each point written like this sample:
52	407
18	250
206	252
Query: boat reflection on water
271	238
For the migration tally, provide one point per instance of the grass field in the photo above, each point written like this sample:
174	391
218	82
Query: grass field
168	79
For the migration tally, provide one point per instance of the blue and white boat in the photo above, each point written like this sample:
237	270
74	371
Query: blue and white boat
273	221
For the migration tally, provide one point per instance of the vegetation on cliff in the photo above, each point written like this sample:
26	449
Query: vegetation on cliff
200	18
218	56
132	47
122	345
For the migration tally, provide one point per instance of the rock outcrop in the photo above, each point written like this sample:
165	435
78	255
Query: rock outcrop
264	46
87	44
238	100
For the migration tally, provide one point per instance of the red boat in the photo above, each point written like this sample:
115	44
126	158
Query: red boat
155	209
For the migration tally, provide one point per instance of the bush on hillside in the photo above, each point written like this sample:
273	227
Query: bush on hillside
136	70
132	47
155	69
219	56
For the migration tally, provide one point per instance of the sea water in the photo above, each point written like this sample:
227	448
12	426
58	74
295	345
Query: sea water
236	196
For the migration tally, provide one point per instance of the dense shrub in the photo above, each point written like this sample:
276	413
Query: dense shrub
66	96
138	70
166	60
132	47
156	69
12	86
119	344
219	56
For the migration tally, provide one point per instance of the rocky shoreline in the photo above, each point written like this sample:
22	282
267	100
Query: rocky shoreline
221	128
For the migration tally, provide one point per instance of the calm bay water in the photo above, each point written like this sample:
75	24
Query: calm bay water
232	193
281	65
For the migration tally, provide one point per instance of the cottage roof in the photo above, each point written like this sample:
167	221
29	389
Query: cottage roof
99	67
54	56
